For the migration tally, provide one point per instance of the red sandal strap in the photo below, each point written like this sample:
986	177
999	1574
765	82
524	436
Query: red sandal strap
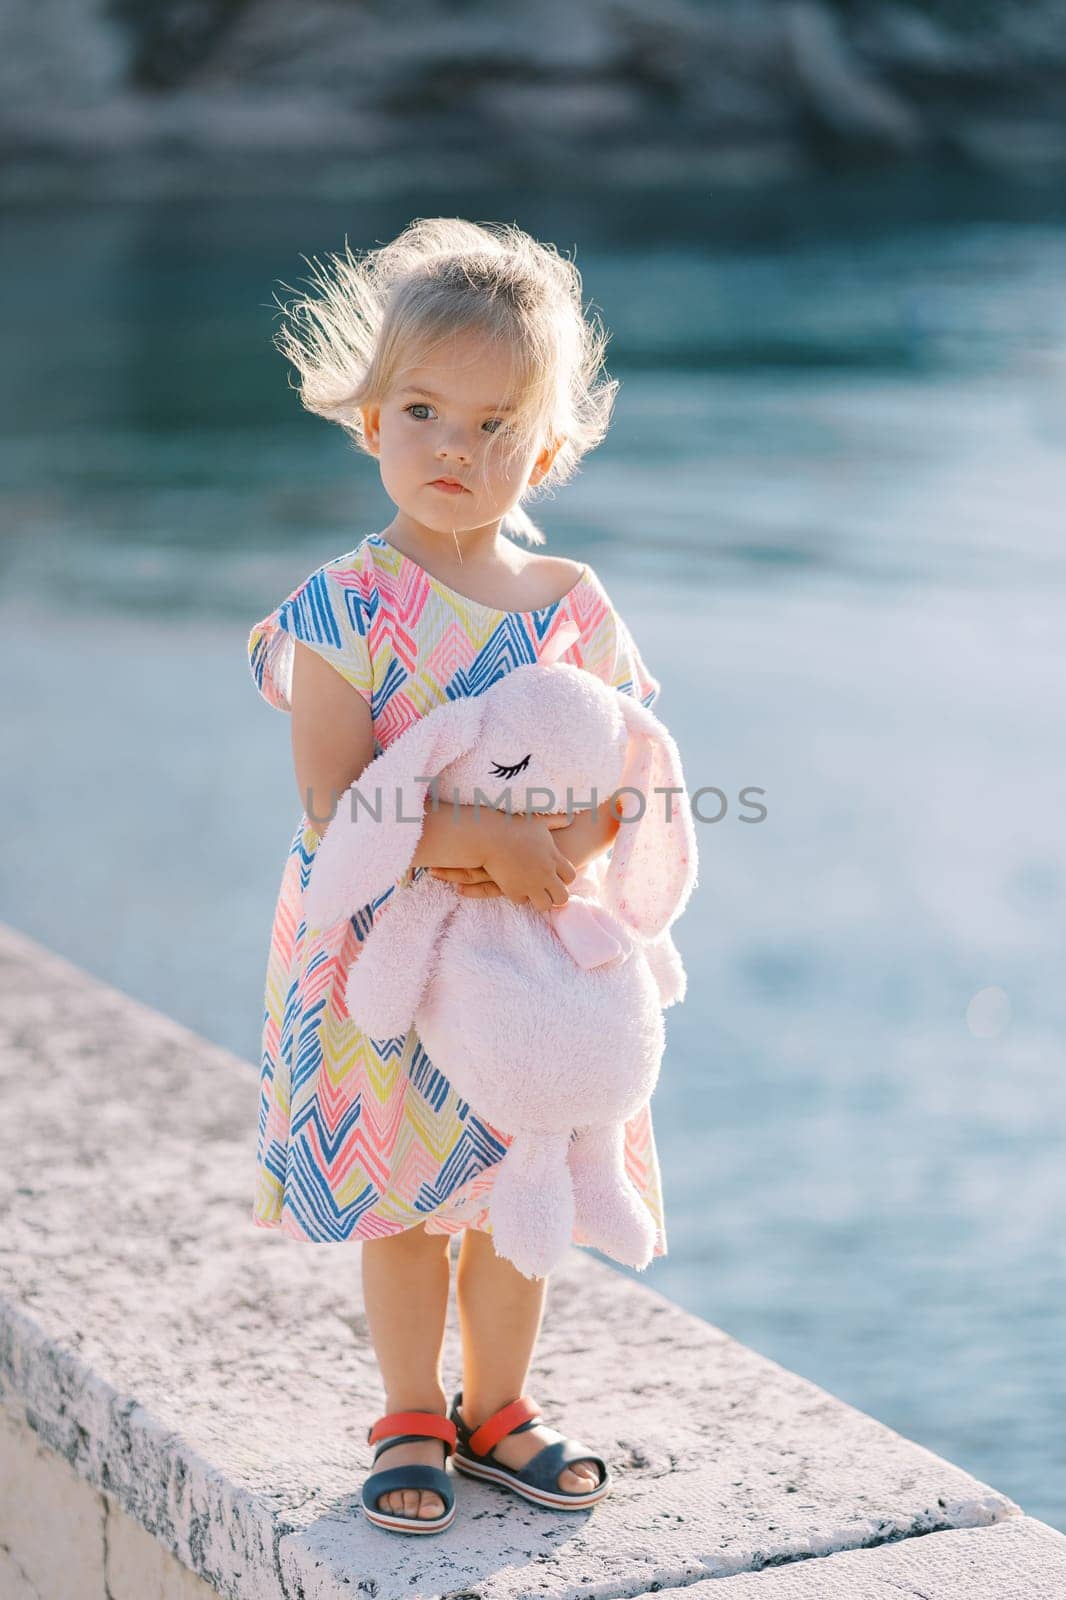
503	1422
428	1423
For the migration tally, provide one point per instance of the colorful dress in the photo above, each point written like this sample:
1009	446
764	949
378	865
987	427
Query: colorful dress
359	1138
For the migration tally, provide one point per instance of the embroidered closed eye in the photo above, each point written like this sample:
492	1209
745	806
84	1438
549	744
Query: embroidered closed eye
511	772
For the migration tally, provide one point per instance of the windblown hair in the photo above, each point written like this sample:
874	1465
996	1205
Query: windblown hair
376	316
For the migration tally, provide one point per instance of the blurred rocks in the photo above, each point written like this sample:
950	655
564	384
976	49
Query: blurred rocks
238	94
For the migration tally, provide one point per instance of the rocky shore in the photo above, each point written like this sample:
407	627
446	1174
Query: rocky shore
252	96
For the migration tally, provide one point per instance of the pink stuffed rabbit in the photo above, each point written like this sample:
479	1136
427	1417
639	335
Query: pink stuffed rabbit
548	1023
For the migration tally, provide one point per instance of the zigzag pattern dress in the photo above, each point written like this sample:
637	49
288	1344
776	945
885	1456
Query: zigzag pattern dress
359	1138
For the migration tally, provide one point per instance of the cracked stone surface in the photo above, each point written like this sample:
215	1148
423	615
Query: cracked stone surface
1019	1559
217	1379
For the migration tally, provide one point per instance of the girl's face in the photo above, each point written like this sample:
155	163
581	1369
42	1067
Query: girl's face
436	424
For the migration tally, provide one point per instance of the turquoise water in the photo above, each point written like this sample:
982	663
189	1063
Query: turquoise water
831	509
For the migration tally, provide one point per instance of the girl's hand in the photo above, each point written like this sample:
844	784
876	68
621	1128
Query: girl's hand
521	862
474	882
581	839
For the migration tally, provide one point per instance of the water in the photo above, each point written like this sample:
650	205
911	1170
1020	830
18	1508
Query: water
831	509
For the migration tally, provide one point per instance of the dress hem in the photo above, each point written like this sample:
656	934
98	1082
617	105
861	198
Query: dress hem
286	1226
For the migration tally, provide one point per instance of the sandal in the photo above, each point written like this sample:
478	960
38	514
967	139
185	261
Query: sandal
538	1480
407	1427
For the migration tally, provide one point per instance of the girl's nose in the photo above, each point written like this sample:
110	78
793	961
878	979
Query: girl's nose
458	449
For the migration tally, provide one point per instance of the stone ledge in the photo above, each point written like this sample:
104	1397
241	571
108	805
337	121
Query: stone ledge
61	1539
216	1380
1020	1559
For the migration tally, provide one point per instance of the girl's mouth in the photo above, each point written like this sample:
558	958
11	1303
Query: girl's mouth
448	486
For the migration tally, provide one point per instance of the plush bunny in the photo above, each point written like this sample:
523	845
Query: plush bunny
549	1023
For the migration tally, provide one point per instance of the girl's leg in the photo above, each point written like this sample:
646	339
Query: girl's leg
499	1314
406	1279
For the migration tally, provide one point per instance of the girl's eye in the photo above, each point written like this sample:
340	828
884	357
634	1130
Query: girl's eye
511	772
494	424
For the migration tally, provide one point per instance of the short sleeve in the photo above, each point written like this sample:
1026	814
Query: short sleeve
629	673
331	613
608	648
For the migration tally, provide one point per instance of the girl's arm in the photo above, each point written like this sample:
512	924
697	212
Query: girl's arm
332	735
590	834
458	838
454	836
580	841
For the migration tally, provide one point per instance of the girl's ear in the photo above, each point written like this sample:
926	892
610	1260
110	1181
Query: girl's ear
544	460
370	840
653	865
371	416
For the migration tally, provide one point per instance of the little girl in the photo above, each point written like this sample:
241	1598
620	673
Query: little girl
459	356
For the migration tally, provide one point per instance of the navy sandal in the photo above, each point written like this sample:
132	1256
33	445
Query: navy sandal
538	1480
408	1427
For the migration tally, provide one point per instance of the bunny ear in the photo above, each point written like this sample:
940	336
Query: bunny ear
653	865
370	840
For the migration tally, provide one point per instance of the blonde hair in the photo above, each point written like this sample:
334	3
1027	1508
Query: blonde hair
376	316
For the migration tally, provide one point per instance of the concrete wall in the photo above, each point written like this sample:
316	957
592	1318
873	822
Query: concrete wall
62	1539
185	1397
